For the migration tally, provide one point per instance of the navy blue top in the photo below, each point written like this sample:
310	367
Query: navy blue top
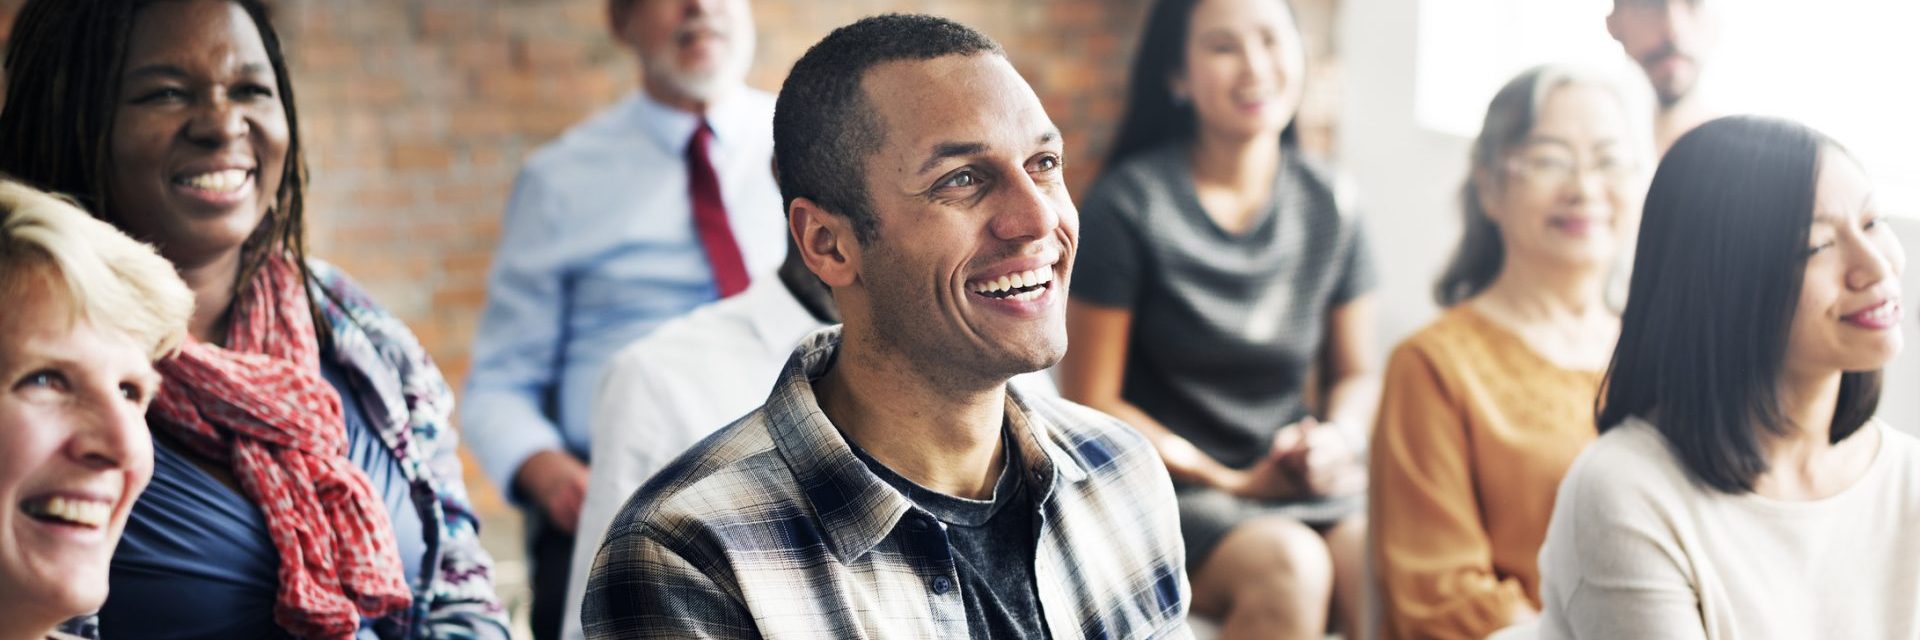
196	560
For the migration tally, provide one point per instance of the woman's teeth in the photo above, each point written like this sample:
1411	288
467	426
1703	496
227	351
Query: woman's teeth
1023	286
1886	313
226	181
87	513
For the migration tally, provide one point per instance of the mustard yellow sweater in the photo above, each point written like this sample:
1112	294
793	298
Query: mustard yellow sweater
1474	433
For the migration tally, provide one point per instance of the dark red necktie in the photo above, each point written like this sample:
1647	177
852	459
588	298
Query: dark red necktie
710	217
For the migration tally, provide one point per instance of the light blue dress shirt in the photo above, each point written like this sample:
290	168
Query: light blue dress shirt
598	248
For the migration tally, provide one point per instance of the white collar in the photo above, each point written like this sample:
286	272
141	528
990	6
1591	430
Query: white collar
673	129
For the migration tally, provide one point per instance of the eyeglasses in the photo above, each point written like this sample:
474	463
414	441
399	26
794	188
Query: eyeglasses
1553	168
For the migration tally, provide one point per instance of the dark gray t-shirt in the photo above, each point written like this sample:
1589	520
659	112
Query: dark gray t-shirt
1226	327
993	543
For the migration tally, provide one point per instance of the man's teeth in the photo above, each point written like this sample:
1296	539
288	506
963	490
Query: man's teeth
1029	294
217	181
90	513
1024	279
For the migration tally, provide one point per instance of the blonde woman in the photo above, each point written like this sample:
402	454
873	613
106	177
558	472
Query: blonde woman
88	310
298	404
1482	411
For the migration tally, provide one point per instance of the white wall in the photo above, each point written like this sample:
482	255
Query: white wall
1408	177
1900	393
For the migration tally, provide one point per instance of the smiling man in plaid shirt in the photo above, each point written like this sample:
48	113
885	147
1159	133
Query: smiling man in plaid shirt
893	485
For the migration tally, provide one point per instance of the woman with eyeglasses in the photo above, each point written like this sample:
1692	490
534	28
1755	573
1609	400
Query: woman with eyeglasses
1483	410
1741	487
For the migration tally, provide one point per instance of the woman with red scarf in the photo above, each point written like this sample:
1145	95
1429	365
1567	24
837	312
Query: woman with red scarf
305	482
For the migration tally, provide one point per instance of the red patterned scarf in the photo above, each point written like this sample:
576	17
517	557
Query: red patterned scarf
261	407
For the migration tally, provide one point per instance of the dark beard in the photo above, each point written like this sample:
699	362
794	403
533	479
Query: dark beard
1668	96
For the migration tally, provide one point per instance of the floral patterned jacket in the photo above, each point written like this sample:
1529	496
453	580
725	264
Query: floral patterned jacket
408	402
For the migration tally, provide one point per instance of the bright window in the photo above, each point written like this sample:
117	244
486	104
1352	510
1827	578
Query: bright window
1846	67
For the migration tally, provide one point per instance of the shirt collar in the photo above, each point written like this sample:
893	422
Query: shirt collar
856	508
777	316
672	128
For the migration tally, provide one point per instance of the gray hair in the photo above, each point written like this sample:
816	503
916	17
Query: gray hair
1510	119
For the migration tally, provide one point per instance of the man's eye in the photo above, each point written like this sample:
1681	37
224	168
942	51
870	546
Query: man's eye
961	180
1049	163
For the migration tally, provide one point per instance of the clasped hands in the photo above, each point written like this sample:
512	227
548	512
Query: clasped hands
1307	458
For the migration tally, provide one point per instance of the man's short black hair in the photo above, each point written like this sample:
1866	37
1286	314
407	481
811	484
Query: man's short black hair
823	128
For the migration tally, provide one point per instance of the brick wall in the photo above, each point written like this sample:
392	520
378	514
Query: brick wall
420	112
417	114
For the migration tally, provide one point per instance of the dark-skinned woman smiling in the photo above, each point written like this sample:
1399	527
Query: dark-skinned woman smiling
305	476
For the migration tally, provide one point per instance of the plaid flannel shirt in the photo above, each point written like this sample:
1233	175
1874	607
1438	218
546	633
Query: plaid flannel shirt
771	528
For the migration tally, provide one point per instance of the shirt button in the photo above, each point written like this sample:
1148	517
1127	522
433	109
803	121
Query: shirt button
941	585
918	524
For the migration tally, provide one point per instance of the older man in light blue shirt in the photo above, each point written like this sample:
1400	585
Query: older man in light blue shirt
611	231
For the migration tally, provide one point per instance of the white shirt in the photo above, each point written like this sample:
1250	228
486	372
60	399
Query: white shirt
1636	549
665	392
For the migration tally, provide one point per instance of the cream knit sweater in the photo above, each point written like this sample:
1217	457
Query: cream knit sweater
1638	550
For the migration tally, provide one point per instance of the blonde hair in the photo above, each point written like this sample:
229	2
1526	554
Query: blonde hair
111	280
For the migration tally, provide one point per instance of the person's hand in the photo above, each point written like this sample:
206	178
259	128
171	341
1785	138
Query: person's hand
557	482
1187	463
1270	477
1321	459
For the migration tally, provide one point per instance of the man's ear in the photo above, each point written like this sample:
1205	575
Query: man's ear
826	242
617	13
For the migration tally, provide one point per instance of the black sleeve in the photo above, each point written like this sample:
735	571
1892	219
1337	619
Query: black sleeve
1357	276
1107	268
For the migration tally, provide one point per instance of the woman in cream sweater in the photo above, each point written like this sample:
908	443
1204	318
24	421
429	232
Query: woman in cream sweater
1741	487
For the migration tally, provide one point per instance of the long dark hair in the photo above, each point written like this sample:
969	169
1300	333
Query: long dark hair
1510	119
1722	255
1153	117
63	68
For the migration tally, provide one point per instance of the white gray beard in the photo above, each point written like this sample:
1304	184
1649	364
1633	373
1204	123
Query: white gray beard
707	86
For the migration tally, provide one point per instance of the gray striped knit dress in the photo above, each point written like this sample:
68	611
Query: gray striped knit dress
1226	327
